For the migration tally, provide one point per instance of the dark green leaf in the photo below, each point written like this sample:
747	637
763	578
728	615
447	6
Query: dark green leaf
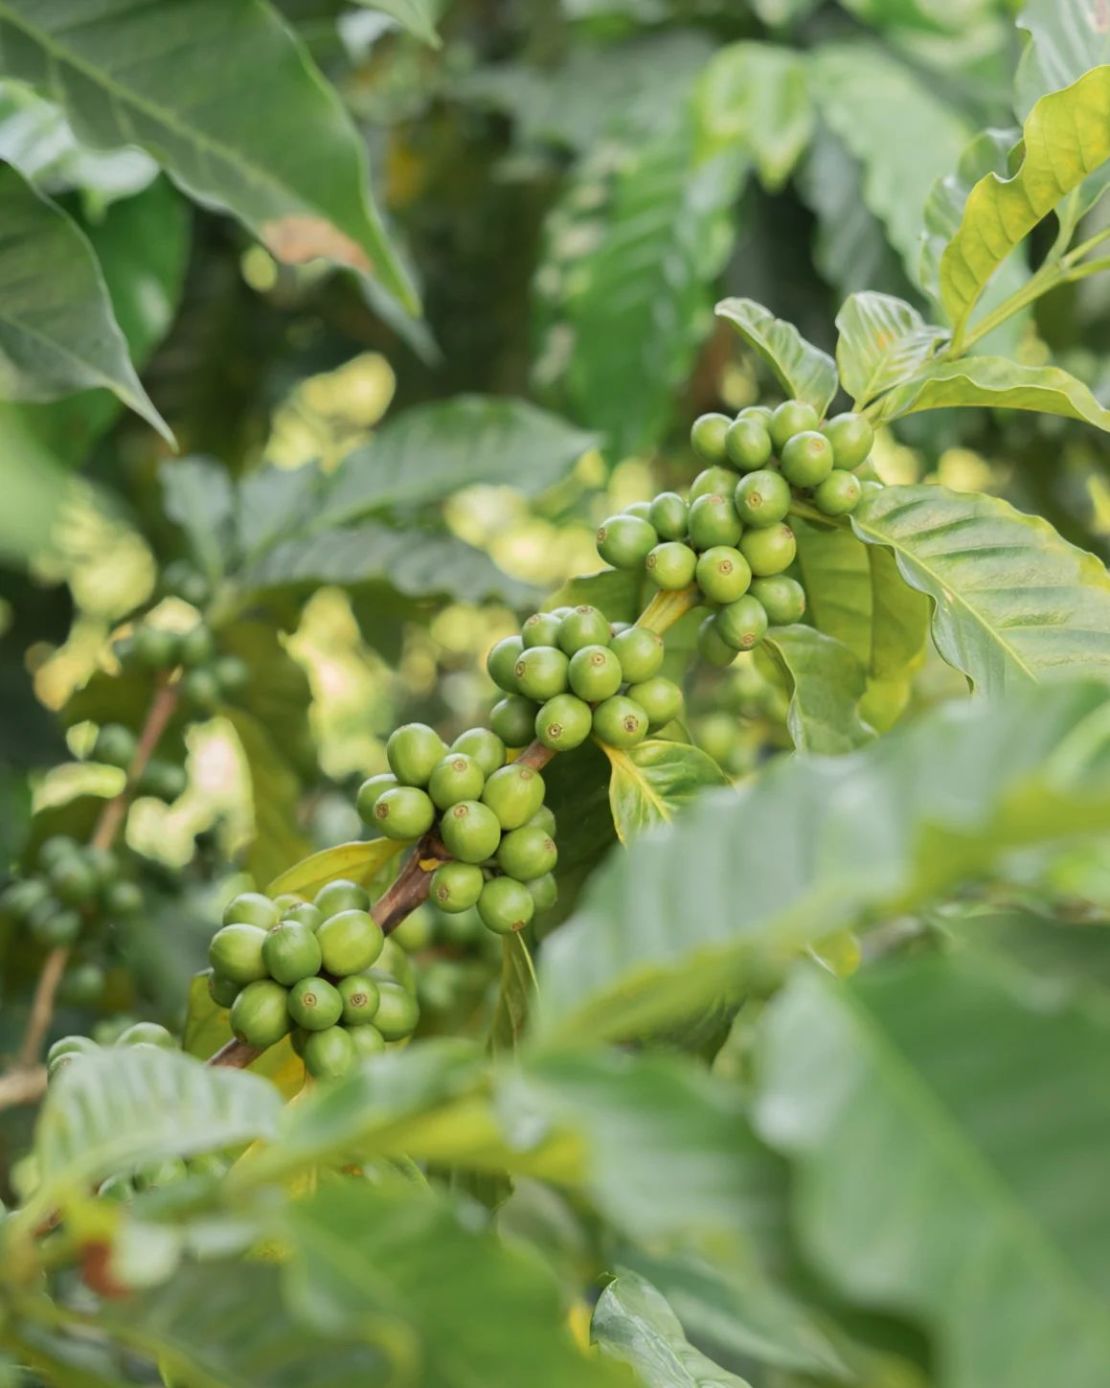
197	496
753	97
275	791
803	371
827	683
514	996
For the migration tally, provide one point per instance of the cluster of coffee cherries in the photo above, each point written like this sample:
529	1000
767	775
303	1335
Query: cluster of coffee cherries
729	535
489	816
207	676
320	971
68	1049
572	673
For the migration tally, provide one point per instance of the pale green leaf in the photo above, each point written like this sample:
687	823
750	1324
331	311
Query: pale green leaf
58	333
1063	40
827	682
804	371
752	98
1013	602
358	862
278	152
198	496
654	780
1066	138
883	341
514	995
947	1132
275	794
417	16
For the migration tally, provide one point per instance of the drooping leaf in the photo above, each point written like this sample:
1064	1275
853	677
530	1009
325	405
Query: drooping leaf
654	780
996	383
827	683
896	824
803	371
908	1157
359	862
752	97
280	153
417	16
883	341
1013	602
58	333
633	1323
197	496
514	996
1066	137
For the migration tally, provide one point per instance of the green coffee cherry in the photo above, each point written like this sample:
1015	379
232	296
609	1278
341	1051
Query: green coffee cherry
668	516
115	746
71	1045
851	437
22	898
838	494
541	629
769	551
544	819
742	623
764	413
470	831
195	646
223	991
564	722
350	942
305	914
415	932
232	673
723	574
792	417
55	928
147	1034
74	881
484	746
660	699
315	1004
82	984
782	598
543	891
501	662
747	444
181	580
762	498
620	722
640	509
235	952
505	905
154	649
55	849
259	1015
640	652
807	459
341	895
583	626
201	688
291	951
395	964
595	673
251	908
514	794
122	899
671	565
513	718
457	777
712	647
413	752
360	998
707	436
370	791
329	1054
541	672
526	853
117	1188
163	780
404	812
626	541
714	481
366	1040
398	1011
456	886
285	902
713	521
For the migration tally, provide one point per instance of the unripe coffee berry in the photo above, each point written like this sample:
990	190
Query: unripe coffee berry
583	626
762	498
541	672
513	718
792	417
595	673
707	436
625	541
307	915
782	598
369	793
851	436
163	780
329	1054
723	574
456	886
201	688
115	746
620	722
714	481
360	999
484	746
514	794
807	459
660	699
564	722
742	624
235	952
544	819
195	646
527	852
341	895
640	652
315	1004
154	648
232	673
769	551
291	951
544	892
501	662
398	1011
366	1040
712	646
457	777
350	942
251	908
541	629
713	521
74	881
671	565
404	812
505	905
838	494
668	515
55	928
747	444
640	509
147	1034
222	991
470	831
414	751
259	1015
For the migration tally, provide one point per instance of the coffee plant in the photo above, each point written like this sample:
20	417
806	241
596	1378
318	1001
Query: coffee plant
551	832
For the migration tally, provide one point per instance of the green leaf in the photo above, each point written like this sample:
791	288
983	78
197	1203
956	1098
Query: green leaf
417	16
359	862
934	803
275	793
514	996
1013	601
996	383
279	153
883	341
653	781
578	795
633	1324
197	495
803	371
903	134
752	97
1066	137
1063	40
58	333
1001	1156
124	1107
827	683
